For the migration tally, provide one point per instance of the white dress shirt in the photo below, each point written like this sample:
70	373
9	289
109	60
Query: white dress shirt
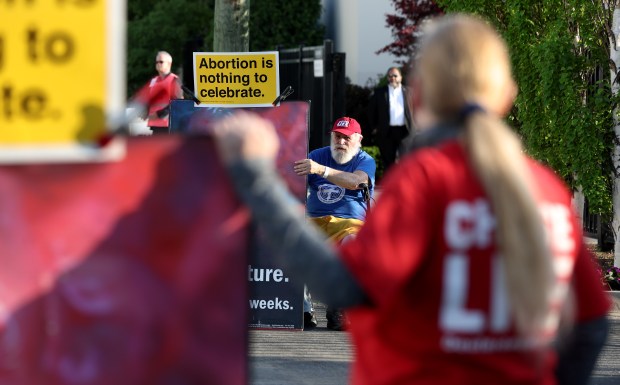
397	106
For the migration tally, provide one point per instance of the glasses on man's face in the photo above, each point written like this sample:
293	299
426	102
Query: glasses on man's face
392	76
159	62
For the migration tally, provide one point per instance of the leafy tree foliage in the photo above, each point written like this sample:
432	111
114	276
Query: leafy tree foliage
405	25
285	23
137	9
564	110
167	25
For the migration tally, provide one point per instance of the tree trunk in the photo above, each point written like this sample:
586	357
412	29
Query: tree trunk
231	26
615	57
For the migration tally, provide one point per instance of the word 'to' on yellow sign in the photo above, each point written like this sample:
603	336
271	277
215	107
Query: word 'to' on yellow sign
236	79
62	77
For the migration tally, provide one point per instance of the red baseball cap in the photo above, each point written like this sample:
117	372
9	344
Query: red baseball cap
347	126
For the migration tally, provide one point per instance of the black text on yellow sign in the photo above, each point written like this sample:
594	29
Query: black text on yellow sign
236	79
54	81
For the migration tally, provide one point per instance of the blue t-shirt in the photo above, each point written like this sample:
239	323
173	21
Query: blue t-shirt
326	198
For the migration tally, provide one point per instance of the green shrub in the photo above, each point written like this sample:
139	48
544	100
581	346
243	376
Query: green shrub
375	153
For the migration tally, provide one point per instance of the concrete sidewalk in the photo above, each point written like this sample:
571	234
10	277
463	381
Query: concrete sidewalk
322	356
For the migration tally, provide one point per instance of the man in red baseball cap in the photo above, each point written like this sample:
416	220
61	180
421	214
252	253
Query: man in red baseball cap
341	179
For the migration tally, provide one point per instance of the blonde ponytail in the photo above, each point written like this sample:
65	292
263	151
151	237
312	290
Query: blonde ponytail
496	156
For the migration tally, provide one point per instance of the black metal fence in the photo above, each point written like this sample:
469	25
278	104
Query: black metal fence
590	221
594	225
317	74
597	227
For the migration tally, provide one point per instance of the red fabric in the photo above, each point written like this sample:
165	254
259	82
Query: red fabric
129	272
406	248
587	288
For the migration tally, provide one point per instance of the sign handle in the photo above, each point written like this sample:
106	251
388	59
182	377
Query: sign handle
285	94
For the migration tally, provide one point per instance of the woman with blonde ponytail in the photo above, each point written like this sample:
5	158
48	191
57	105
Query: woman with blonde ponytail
471	258
463	76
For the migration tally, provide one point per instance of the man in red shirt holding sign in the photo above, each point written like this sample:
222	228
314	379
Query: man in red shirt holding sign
162	88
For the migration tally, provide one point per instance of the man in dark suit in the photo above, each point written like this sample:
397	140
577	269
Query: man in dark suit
389	116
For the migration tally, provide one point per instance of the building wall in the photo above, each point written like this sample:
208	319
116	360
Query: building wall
358	28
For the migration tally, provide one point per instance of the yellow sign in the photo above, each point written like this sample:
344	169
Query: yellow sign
61	74
236	79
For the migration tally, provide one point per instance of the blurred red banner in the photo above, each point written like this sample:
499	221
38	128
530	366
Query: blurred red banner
131	272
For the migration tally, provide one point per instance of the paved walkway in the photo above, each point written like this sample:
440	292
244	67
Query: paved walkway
608	367
315	357
322	356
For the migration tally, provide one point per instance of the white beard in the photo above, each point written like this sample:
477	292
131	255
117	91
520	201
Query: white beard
343	157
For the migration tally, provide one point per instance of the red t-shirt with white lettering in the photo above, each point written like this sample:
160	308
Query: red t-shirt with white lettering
427	259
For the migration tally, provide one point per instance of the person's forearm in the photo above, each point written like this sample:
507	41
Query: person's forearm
345	179
302	248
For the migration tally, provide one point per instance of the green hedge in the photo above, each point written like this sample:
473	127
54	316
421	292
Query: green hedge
375	153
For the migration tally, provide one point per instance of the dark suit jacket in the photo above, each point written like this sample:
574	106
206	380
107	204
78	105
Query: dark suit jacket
379	111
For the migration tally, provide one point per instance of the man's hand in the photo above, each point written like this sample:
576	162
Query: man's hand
245	136
307	166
